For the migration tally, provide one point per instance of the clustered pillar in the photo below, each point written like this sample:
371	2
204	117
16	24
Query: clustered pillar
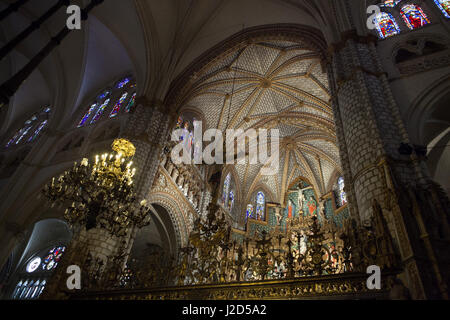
370	132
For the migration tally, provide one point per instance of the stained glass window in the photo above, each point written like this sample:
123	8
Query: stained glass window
119	103
444	6
123	83
22	290
35	290
14	138
260	206
249	212
125	93
17	290
31	129
54	256
33	265
413	16
42	287
131	103
26	293
231	200
87	115
342	194
38	131
226	188
186	133
100	111
104	95
390	3
386	25
179	123
23	134
29	289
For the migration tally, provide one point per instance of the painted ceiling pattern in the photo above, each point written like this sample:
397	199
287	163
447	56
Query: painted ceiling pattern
272	84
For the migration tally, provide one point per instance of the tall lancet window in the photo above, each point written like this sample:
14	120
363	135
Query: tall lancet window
444	6
226	189
100	111
87	115
30	130
114	101
386	25
260	206
249	212
131	103
340	196
118	105
231	200
37	131
414	16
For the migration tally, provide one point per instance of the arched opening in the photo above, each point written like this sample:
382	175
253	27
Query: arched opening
34	260
156	239
436	135
267	77
428	125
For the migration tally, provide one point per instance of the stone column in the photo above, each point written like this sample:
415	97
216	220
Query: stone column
148	129
370	133
97	253
206	200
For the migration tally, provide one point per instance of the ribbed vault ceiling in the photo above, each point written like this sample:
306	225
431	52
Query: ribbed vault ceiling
272	84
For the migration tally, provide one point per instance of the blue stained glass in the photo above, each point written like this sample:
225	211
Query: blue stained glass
249	212
23	134
413	16
123	83
342	194
87	115
231	200
386	25
444	6
260	203
100	111
104	95
116	108
226	187
13	139
38	131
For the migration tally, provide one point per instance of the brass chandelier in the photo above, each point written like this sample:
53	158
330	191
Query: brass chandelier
100	193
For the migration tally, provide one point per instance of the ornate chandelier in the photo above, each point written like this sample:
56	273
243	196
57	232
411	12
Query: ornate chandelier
100	193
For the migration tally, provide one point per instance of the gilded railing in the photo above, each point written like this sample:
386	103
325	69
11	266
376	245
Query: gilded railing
342	286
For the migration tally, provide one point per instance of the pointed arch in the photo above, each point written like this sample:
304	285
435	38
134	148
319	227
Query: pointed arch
386	25
413	16
444	6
